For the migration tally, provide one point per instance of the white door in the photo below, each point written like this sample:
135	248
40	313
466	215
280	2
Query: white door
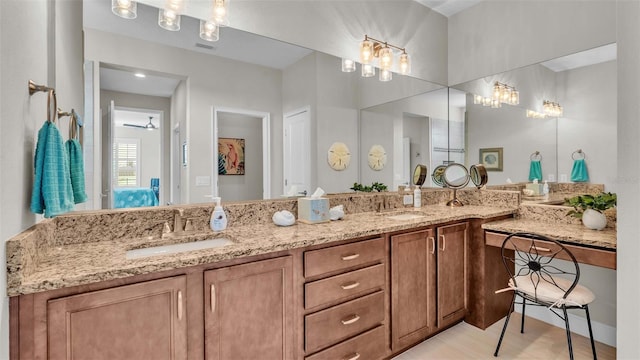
107	156
297	152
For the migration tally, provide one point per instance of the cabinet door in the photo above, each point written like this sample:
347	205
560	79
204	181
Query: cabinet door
413	287
452	274
249	311
140	321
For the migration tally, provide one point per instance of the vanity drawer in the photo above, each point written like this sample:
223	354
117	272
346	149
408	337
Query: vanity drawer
337	323
340	286
340	257
369	345
583	254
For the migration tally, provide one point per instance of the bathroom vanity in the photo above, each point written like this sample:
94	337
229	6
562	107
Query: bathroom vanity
368	286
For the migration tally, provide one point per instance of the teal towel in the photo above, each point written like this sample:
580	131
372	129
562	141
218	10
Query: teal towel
51	193
579	171
535	170
76	170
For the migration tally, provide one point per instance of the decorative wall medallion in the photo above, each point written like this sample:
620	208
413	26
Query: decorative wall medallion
338	156
377	157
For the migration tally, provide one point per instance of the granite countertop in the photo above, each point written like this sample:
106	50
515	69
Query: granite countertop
568	233
78	264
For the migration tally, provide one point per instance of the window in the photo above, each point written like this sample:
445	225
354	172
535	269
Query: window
126	162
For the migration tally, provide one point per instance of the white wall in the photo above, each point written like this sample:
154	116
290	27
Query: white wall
588	95
150	159
628	247
179	109
249	185
375	129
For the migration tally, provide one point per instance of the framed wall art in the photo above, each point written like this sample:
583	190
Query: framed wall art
230	156
491	158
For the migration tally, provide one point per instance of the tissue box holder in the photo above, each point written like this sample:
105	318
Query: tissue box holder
313	211
537	188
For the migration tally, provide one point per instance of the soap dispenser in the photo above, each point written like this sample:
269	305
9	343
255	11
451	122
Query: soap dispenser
417	197
218	216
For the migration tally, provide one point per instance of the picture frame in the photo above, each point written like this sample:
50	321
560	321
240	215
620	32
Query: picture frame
491	158
231	156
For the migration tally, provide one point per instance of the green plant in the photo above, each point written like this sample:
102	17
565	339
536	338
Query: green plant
599	203
375	186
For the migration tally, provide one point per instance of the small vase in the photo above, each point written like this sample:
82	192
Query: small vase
594	219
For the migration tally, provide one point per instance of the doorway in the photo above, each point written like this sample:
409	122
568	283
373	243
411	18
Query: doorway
297	152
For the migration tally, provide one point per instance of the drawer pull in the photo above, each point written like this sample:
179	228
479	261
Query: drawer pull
433	244
540	248
444	242
213	297
350	286
179	305
354	356
350	320
350	257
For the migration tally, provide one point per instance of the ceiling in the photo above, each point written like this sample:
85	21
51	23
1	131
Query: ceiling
140	118
583	58
448	7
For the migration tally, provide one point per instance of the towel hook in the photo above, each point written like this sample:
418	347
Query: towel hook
578	152
535	156
51	95
34	88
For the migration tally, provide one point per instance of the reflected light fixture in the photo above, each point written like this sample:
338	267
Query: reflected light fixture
506	94
348	65
209	30
169	17
551	108
385	75
221	12
535	114
125	8
405	64
139	75
368	70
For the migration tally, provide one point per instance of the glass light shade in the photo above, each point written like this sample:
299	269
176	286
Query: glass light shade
385	75
209	31
386	58
221	12
495	104
368	70
366	52
169	20
497	91
405	64
505	95
486	101
348	65
515	97
477	99
125	8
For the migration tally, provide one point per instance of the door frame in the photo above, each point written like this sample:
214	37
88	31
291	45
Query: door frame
266	146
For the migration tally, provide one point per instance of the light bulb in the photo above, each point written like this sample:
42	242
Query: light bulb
124	8
220	12
169	20
386	58
209	31
405	64
366	52
368	70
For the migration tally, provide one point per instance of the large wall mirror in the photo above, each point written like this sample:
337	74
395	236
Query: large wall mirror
266	99
584	84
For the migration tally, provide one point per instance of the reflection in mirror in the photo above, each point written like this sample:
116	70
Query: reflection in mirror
455	176
419	175
248	72
478	175
584	84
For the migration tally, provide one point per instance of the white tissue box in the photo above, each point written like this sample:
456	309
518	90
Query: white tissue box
313	210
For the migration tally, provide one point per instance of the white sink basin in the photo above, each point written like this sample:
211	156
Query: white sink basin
406	216
177	248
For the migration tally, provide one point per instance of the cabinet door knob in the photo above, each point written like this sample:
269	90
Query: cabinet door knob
213	297
350	257
353	318
350	286
354	356
179	305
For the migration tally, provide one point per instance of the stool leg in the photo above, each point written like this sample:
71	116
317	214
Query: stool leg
524	301
593	345
506	322
566	324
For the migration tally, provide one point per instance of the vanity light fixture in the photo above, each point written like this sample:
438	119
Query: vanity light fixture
221	12
385	75
506	94
551	108
535	114
371	48
125	8
140	75
169	17
368	70
348	65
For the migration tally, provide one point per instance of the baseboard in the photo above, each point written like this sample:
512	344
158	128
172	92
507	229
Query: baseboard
603	333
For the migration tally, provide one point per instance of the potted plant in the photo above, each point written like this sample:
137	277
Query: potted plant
590	208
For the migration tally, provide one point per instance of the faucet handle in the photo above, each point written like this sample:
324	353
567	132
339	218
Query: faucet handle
188	226
165	228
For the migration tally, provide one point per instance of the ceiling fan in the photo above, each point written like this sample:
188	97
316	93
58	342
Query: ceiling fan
148	126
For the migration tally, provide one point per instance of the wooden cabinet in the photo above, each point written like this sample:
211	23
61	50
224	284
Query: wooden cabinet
413	287
345	301
249	311
140	321
452	273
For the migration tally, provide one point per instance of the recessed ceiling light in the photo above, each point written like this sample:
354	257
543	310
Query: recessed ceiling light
140	75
